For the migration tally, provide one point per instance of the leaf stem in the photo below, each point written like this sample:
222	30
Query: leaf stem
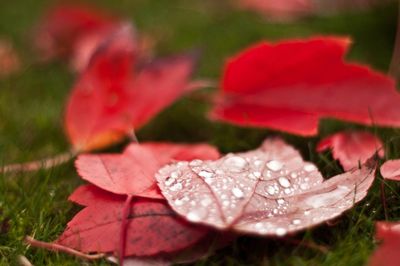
46	163
57	247
124	227
200	84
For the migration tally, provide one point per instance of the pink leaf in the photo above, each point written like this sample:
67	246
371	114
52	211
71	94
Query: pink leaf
391	170
267	191
352	148
291	85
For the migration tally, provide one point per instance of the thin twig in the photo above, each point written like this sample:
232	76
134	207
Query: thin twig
307	244
39	164
57	247
23	261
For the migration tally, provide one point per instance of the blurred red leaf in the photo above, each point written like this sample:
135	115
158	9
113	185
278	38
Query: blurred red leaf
387	254
10	62
391	170
291	10
291	85
113	96
132	172
64	25
267	191
352	148
282	10
153	227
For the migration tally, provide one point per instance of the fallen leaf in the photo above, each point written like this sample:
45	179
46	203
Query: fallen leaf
391	170
132	172
283	10
201	250
153	227
267	191
85	47
352	148
114	96
292	10
63	26
387	254
10	62
291	85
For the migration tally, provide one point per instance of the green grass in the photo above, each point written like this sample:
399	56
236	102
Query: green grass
31	126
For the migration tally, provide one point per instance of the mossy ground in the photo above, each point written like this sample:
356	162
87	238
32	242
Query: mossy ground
31	125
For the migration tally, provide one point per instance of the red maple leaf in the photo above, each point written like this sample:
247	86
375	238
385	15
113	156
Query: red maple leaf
352	148
391	170
132	173
114	95
64	25
153	228
267	191
387	254
291	85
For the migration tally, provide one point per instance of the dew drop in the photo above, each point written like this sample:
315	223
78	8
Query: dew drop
274	165
196	215
257	174
175	174
206	174
237	192
270	190
235	163
209	180
206	202
287	191
293	175
280	201
196	162
176	187
252	176
296	221
280	231
309	167
328	198
284	182
258	226
178	202
303	186
306	213
219	172
257	162
169	181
